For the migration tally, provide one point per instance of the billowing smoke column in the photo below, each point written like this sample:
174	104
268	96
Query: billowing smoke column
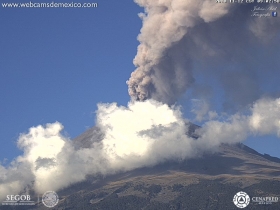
163	66
177	34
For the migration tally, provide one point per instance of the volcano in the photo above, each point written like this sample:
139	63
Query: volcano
206	182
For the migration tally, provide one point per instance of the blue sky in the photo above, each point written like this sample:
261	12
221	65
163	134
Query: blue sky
56	64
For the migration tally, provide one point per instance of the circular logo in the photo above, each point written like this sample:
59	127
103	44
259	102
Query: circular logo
241	199
50	199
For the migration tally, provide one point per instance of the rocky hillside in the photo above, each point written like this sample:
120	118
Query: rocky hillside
208	182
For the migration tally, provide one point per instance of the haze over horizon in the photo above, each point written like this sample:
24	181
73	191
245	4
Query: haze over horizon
200	61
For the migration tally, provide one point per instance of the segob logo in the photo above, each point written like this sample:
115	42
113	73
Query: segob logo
17	200
50	199
241	199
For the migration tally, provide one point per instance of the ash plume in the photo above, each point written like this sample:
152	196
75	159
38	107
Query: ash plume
179	40
176	35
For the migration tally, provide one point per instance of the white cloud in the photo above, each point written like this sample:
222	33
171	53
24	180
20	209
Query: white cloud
141	134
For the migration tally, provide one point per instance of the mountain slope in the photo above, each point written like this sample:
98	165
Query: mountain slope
207	182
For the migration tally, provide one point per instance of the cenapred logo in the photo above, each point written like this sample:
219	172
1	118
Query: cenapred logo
50	199
241	199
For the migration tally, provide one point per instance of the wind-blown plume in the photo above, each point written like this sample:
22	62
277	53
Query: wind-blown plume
177	35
